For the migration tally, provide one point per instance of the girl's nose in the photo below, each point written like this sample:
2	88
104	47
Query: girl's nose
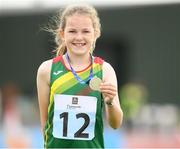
79	36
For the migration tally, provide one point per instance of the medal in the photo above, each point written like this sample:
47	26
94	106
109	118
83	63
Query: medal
94	83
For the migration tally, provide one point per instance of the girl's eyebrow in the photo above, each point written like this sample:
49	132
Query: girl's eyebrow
86	28
70	28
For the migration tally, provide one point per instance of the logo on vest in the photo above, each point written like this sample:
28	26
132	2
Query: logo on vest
58	72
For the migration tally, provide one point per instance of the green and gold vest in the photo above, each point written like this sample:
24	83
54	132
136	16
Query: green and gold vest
74	111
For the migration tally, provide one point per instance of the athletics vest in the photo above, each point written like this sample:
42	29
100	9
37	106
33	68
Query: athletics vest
74	111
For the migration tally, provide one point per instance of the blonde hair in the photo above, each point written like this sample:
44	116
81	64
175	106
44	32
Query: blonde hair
61	24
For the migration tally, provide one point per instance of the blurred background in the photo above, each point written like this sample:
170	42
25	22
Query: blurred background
140	38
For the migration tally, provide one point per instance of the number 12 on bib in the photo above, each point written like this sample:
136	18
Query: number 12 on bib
73	123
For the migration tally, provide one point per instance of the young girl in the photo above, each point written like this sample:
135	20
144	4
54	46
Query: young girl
74	86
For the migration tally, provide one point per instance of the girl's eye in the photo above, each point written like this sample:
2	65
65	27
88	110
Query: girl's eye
86	31
71	31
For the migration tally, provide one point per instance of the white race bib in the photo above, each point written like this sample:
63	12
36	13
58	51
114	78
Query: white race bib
74	117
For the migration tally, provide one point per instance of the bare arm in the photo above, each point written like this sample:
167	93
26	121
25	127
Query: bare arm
109	90
43	89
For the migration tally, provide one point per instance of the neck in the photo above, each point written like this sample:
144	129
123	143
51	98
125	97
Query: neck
79	60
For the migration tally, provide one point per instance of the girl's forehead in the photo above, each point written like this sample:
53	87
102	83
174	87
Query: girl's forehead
79	20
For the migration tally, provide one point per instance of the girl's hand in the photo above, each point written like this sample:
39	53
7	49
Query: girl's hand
108	90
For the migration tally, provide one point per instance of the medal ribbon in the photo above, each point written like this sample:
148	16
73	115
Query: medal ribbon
75	74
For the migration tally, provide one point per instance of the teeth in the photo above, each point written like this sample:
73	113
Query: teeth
79	44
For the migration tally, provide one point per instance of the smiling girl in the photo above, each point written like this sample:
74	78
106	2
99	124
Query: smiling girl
74	86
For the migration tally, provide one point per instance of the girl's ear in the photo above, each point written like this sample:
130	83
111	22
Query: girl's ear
61	34
97	35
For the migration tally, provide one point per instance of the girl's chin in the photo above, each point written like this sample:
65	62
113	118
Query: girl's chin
79	51
78	48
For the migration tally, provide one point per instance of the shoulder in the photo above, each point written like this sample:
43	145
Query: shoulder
107	67
109	74
45	67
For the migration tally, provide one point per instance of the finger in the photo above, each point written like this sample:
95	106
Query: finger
105	83
112	88
113	93
108	97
